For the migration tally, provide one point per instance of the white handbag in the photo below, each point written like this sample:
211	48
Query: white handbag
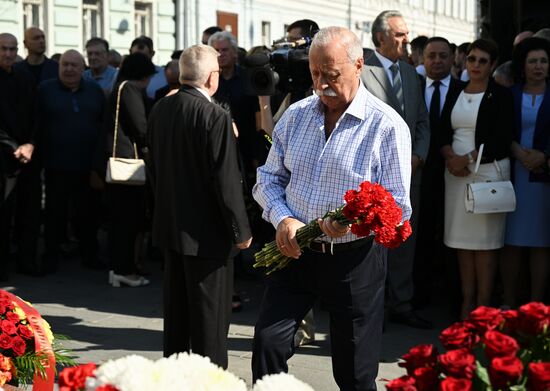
124	171
489	197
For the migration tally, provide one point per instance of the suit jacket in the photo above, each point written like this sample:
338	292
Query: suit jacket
494	124
541	140
434	155
376	80
194	172
50	69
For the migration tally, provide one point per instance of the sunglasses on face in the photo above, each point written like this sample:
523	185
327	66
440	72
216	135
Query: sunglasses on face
480	60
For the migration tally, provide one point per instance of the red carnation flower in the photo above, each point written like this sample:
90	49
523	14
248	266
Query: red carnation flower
5	341
74	378
505	371
485	319
418	357
539	376
426	378
533	317
403	383
457	336
8	327
25	331
452	384
18	346
459	363
499	345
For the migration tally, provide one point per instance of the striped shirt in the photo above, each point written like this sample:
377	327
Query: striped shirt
306	175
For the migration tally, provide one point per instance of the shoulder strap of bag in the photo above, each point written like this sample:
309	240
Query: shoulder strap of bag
478	162
119	93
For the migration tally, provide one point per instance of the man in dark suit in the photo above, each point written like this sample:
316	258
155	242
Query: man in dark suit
396	83
200	219
440	90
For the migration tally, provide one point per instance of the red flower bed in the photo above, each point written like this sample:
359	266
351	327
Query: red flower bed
491	350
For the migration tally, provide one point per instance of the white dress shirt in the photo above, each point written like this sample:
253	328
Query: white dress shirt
443	89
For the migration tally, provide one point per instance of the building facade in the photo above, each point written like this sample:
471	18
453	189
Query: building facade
179	23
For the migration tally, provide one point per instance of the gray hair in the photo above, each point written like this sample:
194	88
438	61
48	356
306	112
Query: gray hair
224	36
349	40
380	24
543	33
196	63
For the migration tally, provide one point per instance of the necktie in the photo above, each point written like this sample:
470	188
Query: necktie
397	86
435	105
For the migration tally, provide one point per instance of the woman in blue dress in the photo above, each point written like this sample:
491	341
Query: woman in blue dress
528	227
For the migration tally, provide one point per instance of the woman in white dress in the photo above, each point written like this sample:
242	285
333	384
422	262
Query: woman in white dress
482	114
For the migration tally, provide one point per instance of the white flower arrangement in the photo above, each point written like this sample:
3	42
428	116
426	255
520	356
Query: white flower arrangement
178	372
281	381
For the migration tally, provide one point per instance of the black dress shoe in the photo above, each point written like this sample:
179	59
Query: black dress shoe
411	319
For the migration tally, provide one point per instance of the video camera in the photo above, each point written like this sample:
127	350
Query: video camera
285	69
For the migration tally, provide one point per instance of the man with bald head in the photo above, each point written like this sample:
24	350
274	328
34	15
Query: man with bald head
16	119
323	146
70	112
40	66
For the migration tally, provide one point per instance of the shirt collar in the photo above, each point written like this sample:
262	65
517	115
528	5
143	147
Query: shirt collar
444	82
357	106
204	93
386	62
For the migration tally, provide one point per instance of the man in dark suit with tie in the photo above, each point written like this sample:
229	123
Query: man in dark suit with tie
396	83
200	219
439	89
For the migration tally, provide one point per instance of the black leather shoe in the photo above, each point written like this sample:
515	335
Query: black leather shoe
411	319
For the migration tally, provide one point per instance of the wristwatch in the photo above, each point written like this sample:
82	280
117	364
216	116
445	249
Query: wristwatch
470	158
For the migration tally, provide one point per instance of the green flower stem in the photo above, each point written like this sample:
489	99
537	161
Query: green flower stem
271	257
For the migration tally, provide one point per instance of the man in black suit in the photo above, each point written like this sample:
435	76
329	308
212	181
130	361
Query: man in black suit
439	89
396	83
200	219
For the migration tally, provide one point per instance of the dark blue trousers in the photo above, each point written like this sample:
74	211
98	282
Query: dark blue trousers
350	285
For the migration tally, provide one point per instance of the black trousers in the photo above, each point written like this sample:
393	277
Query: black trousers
23	207
350	285
127	205
70	197
197	305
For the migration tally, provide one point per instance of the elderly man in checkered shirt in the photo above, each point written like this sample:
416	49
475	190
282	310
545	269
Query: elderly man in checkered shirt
322	146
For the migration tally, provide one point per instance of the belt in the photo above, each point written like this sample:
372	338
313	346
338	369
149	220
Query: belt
333	248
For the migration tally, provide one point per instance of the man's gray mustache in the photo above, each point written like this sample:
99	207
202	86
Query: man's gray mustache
326	92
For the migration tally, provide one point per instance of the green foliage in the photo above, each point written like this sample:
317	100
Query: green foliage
481	380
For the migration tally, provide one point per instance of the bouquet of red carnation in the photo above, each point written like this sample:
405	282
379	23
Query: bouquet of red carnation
491	350
370	211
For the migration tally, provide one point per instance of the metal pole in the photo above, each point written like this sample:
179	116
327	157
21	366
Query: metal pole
179	24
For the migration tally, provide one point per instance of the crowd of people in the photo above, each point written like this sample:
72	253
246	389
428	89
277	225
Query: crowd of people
424	125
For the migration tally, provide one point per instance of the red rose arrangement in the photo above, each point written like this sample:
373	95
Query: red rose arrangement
492	350
27	349
371	210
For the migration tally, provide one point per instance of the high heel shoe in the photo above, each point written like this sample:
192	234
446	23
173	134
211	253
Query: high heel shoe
117	279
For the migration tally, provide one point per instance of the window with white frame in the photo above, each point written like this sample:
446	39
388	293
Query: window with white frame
33	14
92	20
266	34
143	19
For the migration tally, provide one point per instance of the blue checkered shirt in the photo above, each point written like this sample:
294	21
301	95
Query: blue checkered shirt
306	175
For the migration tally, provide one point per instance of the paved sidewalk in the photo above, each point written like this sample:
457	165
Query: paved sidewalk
105	322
